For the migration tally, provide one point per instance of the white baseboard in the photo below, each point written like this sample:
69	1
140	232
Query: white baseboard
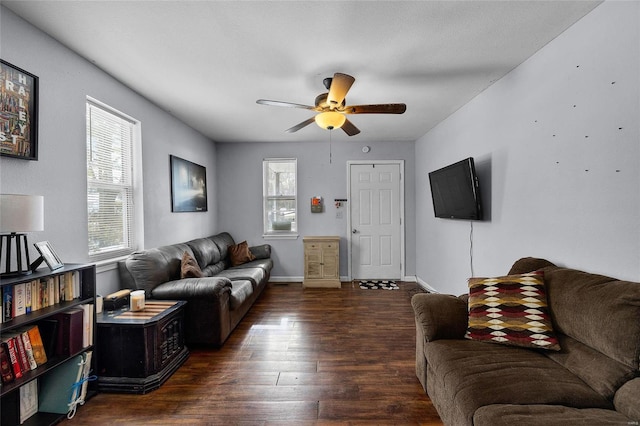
276	279
426	286
344	279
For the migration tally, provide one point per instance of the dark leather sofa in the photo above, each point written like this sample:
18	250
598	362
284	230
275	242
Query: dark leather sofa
218	300
594	379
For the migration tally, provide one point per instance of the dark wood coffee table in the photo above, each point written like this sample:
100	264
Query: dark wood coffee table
139	351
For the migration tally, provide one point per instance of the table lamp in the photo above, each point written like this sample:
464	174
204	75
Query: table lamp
18	214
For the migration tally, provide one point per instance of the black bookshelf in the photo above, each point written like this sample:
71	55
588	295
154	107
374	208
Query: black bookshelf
9	393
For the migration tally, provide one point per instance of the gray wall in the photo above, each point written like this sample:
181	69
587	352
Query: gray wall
60	172
557	142
240	192
550	191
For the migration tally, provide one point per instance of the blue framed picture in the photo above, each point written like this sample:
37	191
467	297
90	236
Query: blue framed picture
188	186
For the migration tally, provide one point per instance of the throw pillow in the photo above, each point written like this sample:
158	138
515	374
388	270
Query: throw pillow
511	310
240	254
189	267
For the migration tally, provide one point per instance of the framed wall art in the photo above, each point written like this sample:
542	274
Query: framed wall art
188	186
18	112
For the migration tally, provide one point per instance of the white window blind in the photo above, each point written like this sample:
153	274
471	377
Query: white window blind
280	197
110	191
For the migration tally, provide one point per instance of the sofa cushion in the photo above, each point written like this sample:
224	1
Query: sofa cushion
528	264
241	290
262	251
511	310
214	269
599	311
264	264
189	267
254	275
240	253
145	270
173	256
603	374
544	415
470	374
205	251
223	240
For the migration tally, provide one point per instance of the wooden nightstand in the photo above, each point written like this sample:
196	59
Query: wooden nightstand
321	262
141	349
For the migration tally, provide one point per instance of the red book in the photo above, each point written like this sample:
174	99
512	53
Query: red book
13	357
70	329
22	353
5	364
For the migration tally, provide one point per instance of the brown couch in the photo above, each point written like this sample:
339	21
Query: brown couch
217	301
593	380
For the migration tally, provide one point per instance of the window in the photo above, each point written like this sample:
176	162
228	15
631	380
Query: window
279	194
112	138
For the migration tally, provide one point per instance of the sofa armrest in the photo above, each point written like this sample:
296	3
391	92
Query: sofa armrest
192	288
440	316
261	252
207	320
626	399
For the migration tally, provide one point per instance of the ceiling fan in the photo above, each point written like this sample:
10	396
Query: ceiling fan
332	109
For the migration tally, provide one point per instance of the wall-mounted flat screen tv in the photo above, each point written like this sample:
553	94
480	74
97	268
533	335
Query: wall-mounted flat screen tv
455	191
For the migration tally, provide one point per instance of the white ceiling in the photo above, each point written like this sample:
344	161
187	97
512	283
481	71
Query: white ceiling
207	62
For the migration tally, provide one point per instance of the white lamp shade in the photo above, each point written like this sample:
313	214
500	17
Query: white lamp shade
330	120
21	213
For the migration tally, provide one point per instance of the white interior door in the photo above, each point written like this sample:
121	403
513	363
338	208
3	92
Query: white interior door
375	221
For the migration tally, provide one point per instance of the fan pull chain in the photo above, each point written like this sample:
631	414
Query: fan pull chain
330	145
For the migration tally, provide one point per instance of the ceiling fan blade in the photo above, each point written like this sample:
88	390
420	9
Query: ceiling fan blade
340	85
349	128
375	109
301	125
283	104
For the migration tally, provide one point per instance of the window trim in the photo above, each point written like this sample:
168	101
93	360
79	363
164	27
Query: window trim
283	235
137	217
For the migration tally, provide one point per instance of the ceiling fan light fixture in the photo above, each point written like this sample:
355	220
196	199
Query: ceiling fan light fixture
330	120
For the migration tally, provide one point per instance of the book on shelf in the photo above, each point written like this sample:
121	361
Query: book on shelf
28	298
13	356
86	372
7	303
23	298
28	400
37	344
16	337
5	364
70	331
79	391
36	303
28	347
70	286
57	390
44	292
87	330
19	300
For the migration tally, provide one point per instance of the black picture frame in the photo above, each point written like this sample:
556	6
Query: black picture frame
19	118
49	255
188	186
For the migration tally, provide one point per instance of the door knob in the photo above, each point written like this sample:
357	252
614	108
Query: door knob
355	231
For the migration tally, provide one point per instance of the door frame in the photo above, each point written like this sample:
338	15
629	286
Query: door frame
400	163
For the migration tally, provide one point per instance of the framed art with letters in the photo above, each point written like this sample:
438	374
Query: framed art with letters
18	112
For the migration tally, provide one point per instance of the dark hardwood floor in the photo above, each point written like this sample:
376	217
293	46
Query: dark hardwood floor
300	356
